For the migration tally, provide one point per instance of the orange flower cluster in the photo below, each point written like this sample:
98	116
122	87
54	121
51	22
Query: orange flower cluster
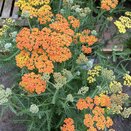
87	40
38	59
62	25
102	100
74	22
69	125
81	104
39	49
85	103
86	50
36	8
96	120
85	37
33	83
109	4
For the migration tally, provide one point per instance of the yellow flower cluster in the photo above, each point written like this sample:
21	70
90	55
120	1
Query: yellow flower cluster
38	2
6	25
124	22
115	87
36	8
127	80
128	13
3	29
93	73
9	21
22	58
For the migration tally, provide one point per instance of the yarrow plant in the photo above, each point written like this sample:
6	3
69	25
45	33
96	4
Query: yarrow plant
63	82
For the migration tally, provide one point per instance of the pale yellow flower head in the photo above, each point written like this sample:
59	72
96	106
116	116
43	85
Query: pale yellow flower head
127	80
34	108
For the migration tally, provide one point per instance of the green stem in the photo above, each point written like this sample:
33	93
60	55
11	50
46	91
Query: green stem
29	24
60	3
54	97
51	83
9	58
95	92
102	12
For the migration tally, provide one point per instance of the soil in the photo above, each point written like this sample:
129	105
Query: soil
7	124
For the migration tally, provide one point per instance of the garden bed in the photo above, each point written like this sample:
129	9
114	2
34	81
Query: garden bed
65	65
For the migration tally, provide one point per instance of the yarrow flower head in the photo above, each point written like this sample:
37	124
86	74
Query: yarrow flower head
70	98
110	18
123	23
93	32
86	50
22	58
82	59
9	21
83	90
4	94
81	104
60	80
34	108
67	74
36	8
46	77
4	29
126	112
86	39
82	12
109	4
68	125
116	109
127	80
75	23
119	99
107	74
117	103
32	82
13	34
95	72
128	13
40	49
68	1
115	87
8	46
102	100
96	120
